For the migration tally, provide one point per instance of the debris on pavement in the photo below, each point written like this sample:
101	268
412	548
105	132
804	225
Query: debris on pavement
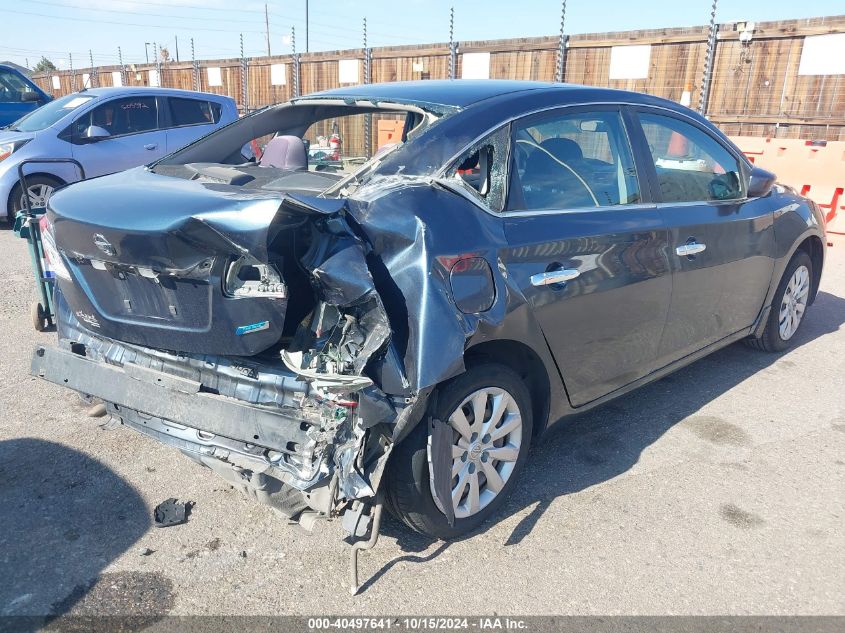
97	410
145	551
171	512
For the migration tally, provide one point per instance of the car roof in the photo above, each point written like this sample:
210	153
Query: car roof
457	93
461	93
116	91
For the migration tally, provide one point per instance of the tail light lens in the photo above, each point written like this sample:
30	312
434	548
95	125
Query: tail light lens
53	263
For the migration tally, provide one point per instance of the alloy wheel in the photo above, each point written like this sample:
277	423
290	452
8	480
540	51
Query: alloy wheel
487	435
38	196
794	303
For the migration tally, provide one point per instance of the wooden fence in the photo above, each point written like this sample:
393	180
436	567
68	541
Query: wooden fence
756	88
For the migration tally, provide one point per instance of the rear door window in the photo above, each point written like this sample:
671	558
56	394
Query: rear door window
120	117
572	160
482	169
185	111
691	165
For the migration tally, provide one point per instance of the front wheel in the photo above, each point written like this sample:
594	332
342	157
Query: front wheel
39	189
488	409
788	306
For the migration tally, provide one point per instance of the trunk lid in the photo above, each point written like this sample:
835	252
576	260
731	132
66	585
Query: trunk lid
151	259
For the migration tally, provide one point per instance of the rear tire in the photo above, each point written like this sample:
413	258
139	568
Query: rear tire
408	486
789	306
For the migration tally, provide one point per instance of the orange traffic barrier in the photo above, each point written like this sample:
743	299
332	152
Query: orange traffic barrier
816	168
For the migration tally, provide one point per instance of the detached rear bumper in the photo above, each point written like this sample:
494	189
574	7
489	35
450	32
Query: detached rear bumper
280	443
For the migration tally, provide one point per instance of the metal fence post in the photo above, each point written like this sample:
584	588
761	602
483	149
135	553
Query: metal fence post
368	118
157	61
709	60
561	46
453	45
244	80
72	73
122	67
295	58
91	77
195	69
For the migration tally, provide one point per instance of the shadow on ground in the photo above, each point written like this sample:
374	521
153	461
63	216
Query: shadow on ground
596	446
65	517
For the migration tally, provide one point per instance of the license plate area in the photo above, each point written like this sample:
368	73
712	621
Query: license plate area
125	294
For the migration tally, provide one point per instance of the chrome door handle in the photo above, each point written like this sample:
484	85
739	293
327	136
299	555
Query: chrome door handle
151	146
554	277
693	248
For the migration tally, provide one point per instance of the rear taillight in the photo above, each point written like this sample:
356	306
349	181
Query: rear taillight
53	263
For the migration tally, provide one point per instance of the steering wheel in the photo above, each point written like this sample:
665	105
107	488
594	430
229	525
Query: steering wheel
537	147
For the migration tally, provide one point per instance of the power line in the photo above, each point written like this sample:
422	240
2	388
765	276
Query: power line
153	15
183	6
148	26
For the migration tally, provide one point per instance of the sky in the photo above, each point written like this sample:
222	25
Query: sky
59	28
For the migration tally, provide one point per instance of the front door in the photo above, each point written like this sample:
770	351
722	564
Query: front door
720	242
134	136
587	248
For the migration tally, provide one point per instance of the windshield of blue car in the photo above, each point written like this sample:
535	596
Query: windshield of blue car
48	114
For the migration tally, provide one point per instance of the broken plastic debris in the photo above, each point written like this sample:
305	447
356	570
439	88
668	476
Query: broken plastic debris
293	361
171	512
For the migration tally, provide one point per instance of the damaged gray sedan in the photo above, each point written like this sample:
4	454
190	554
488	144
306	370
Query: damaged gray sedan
333	336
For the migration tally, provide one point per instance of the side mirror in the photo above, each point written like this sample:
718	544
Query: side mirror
31	96
760	182
95	133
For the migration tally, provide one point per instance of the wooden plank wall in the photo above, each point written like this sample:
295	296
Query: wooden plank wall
756	89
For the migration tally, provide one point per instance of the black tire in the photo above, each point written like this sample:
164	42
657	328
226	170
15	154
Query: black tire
770	340
14	203
408	491
38	316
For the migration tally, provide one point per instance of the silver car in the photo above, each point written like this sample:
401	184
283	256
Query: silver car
107	130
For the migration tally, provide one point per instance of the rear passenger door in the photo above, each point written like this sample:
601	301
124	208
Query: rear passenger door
134	135
587	247
721	243
189	119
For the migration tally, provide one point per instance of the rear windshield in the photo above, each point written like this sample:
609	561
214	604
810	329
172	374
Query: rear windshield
48	114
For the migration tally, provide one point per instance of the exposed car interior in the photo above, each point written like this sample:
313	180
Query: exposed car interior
301	154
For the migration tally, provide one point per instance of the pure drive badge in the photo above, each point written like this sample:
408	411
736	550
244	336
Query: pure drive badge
253	327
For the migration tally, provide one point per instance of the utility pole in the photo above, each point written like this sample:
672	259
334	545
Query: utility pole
306	26
267	28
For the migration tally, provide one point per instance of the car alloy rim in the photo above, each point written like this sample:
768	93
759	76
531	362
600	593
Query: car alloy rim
487	435
38	196
794	302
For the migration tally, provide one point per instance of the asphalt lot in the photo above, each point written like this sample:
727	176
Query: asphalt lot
718	490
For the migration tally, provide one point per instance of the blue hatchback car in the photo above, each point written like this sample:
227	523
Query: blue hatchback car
107	130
